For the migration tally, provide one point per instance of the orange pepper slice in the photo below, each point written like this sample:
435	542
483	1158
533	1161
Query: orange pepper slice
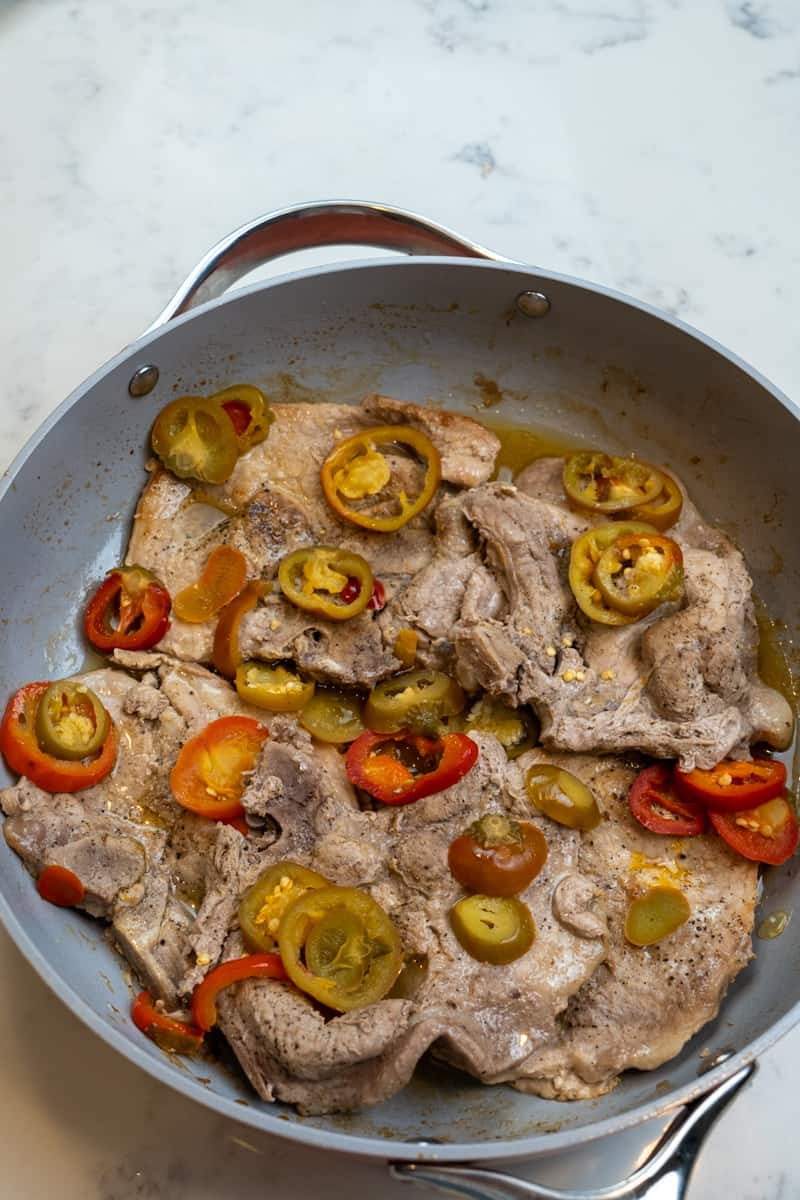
209	774
405	647
222	578
225	654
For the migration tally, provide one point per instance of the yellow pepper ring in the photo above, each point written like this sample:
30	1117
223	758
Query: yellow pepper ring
637	572
332	716
352	472
608	483
584	557
195	439
71	722
561	796
493	929
263	905
274	688
339	946
416	700
313	577
664	511
655	915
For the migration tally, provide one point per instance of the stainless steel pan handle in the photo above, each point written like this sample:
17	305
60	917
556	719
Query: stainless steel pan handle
664	1176
304	227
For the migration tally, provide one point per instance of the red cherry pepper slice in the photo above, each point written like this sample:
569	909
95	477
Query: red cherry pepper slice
21	750
209	774
129	611
767	834
733	786
58	885
251	966
177	1037
656	805
398	768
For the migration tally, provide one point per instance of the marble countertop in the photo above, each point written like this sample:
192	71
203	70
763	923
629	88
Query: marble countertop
647	144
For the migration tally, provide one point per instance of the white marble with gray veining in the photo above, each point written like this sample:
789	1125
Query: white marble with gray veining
648	144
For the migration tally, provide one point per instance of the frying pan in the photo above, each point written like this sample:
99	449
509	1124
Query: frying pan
559	354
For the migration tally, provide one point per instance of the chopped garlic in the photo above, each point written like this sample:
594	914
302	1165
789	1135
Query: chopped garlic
568	640
203	960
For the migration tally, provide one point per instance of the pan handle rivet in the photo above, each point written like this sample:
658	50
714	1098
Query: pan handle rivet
143	380
533	304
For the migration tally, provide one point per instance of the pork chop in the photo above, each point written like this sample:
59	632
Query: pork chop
642	1004
495	608
486	1020
143	860
273	504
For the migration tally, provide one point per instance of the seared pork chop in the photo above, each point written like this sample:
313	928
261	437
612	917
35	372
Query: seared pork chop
643	1003
487	1020
140	856
276	504
495	608
566	1018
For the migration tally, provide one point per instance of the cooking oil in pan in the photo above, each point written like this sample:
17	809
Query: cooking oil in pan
773	664
773	925
775	669
521	445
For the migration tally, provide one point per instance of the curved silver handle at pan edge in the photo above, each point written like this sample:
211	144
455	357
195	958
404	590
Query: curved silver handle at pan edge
309	226
664	1176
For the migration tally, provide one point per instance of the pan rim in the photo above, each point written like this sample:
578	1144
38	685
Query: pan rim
365	1146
